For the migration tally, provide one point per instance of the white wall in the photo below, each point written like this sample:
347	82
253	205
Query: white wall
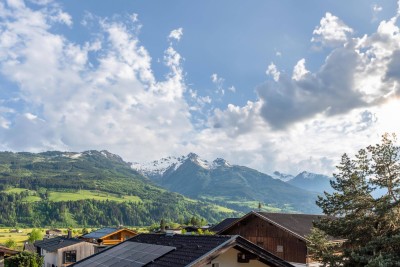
83	250
49	258
229	259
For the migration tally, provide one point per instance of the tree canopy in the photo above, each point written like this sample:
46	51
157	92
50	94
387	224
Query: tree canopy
364	209
35	234
25	259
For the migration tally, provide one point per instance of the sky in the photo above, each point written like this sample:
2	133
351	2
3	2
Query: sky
272	85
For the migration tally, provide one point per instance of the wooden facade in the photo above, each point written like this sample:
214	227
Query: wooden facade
112	238
271	237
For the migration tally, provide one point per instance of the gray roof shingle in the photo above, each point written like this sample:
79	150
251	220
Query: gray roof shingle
223	224
100	233
53	244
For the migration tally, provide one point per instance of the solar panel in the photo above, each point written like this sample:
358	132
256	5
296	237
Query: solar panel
129	254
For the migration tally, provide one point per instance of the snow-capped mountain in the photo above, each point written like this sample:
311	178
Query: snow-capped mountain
234	186
158	168
282	176
312	182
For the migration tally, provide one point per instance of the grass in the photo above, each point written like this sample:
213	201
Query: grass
251	204
87	194
31	199
17	190
57	196
19	238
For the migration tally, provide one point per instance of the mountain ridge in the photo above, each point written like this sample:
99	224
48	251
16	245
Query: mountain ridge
226	183
90	188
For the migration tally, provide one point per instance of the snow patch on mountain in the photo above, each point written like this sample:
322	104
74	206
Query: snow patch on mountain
158	168
311	176
282	176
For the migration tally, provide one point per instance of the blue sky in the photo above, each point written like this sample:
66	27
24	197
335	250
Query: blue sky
274	85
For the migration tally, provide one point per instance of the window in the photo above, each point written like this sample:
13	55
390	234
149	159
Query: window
279	248
70	256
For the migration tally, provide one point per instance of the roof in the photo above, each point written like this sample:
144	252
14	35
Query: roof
175	250
299	225
8	250
100	233
223	224
128	254
53	244
30	247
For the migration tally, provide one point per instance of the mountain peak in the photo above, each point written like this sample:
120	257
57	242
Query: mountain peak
282	176
192	156
221	162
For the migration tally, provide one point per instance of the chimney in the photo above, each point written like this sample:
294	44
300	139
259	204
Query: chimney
69	233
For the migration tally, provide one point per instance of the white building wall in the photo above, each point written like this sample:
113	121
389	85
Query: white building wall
50	258
83	250
229	259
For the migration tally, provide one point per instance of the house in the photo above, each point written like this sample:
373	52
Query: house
6	252
63	251
283	234
109	236
54	232
157	250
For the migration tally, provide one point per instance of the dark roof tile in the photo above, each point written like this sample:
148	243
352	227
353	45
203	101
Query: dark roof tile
100	233
223	224
53	244
300	224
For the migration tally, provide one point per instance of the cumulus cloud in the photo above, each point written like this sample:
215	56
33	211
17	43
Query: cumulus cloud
102	94
273	71
331	31
176	34
299	70
362	72
351	96
98	95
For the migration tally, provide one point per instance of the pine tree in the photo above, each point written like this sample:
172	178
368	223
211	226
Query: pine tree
370	226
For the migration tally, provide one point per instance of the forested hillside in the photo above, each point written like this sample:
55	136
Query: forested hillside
88	189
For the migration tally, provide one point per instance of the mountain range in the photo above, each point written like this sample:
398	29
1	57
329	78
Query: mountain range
92	188
95	188
237	187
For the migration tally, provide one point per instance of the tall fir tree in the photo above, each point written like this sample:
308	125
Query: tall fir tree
369	225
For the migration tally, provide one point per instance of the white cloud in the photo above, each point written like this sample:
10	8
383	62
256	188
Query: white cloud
299	70
232	89
273	71
112	103
377	8
350	100
176	34
219	83
134	17
103	95
331	31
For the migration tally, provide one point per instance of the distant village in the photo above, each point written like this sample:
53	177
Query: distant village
255	239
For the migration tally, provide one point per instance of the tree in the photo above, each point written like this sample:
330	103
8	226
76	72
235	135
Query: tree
85	231
162	225
34	235
10	243
369	225
25	259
